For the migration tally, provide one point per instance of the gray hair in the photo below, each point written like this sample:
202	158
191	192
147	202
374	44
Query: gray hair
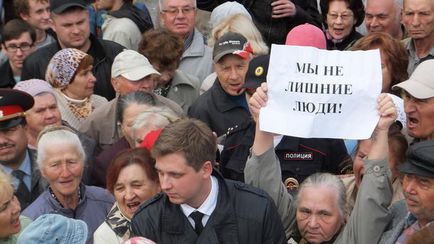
328	180
137	97
54	136
161	4
156	117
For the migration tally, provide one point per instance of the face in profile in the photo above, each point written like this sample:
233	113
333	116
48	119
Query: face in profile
318	215
9	212
181	182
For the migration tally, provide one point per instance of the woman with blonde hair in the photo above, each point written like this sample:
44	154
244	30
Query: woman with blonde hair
11	222
238	23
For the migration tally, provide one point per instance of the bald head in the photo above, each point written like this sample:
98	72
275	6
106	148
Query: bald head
384	16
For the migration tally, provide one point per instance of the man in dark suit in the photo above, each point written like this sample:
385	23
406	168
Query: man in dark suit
197	205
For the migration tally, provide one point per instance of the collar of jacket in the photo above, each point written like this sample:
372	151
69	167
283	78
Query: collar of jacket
197	46
221	99
221	220
67	212
7	75
96	50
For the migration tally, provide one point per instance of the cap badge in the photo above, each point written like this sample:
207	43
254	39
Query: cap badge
259	71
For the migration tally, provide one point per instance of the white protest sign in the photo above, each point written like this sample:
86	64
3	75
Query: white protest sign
322	94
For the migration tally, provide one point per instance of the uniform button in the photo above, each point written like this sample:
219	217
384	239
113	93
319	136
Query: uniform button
376	168
297	169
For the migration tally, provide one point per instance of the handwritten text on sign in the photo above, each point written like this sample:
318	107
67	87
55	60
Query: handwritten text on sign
322	94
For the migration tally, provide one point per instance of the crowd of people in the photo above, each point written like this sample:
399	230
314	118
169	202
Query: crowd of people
122	122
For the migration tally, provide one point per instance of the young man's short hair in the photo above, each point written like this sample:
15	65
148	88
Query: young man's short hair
14	28
191	137
23	6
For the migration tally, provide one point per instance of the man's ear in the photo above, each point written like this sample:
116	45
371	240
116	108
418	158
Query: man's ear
115	84
207	169
25	17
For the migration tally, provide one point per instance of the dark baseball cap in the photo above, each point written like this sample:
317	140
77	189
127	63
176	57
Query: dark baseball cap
229	43
419	160
60	6
257	72
13	105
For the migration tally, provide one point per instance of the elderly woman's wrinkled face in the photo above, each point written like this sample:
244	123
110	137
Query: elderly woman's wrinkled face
130	114
318	215
63	168
340	20
9	213
132	188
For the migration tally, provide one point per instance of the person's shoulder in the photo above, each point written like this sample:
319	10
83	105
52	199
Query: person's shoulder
183	78
151	204
104	109
245	190
38	207
99	194
111	46
45	52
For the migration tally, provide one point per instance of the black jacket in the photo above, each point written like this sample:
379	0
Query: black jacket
102	51
273	30
139	17
228	119
6	76
302	157
243	214
216	108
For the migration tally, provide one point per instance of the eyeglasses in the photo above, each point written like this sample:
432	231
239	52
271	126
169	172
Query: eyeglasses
176	11
23	47
344	16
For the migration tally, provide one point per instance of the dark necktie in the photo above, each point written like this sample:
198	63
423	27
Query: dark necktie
23	192
197	217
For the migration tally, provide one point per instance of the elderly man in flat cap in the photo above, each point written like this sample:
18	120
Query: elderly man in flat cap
15	158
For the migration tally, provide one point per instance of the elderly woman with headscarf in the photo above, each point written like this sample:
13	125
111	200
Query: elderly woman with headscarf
11	222
61	161
70	73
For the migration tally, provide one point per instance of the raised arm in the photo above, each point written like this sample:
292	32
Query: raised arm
370	214
263	167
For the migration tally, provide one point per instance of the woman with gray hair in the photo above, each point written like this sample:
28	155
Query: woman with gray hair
60	158
319	212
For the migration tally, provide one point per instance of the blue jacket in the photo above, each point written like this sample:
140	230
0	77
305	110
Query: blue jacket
93	207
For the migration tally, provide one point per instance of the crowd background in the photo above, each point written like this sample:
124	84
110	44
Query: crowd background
137	122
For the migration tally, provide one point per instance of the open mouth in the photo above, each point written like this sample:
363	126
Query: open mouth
15	223
133	206
6	146
412	122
